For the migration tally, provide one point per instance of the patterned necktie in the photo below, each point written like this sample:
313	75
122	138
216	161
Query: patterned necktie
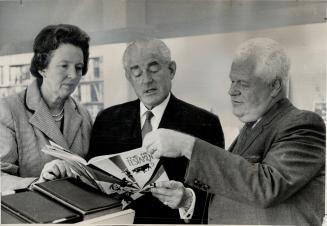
147	124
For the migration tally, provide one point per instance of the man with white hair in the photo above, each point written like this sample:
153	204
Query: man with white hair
273	173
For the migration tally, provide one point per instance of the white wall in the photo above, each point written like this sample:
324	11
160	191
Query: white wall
117	21
203	64
115	85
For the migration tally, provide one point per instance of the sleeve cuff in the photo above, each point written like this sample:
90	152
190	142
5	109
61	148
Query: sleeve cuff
187	214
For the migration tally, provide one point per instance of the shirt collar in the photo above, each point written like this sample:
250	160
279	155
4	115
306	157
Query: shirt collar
255	123
157	110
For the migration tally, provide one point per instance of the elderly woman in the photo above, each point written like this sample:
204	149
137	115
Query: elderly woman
44	111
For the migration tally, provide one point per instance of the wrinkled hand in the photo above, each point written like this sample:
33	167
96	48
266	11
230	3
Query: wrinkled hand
173	194
168	143
55	169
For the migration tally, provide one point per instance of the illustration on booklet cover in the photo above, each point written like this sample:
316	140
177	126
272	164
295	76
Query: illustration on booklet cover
130	173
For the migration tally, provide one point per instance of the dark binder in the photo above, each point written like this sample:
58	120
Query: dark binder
9	218
78	196
33	207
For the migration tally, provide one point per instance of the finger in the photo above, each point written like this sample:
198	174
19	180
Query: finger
74	171
41	179
156	153
169	184
52	169
62	169
175	184
163	191
162	198
162	184
172	205
69	173
152	148
158	196
48	176
171	194
166	200
148	140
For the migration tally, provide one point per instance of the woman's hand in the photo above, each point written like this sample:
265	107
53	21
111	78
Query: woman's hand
55	169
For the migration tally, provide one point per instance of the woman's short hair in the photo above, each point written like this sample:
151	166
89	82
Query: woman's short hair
50	38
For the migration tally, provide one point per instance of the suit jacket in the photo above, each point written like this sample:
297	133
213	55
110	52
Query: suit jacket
277	177
26	125
118	129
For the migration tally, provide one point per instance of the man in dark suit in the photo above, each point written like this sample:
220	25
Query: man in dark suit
150	70
274	171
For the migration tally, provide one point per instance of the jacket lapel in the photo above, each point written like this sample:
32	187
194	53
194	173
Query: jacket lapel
255	132
231	147
169	113
42	118
73	121
277	109
134	120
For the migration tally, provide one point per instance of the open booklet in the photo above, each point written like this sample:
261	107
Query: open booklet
130	173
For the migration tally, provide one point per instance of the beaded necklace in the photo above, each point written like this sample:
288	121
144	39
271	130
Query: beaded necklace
58	117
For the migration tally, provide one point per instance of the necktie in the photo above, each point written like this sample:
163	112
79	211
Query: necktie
245	132
147	124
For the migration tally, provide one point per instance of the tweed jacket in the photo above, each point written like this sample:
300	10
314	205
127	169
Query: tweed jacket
26	125
276	178
118	129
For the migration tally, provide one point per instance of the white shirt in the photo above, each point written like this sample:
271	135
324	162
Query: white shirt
256	123
158	112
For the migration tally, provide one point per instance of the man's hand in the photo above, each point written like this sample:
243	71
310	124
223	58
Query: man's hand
168	143
55	169
173	194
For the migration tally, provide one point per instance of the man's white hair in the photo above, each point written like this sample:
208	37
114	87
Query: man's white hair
159	48
268	58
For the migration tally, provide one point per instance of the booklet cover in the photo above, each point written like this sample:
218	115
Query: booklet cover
130	173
